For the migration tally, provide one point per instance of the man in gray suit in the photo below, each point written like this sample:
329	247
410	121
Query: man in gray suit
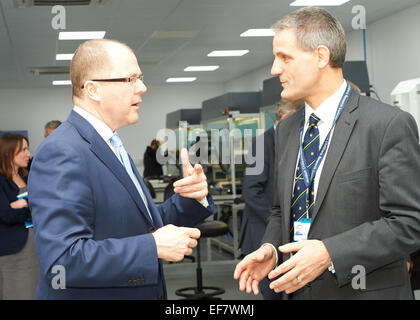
347	233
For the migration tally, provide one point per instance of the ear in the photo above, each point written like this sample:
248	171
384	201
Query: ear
92	90
323	56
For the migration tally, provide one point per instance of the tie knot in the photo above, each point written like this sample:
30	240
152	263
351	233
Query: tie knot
116	141
313	120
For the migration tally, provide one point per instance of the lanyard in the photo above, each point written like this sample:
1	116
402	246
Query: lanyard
308	179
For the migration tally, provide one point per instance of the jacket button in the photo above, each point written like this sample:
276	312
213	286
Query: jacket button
151	230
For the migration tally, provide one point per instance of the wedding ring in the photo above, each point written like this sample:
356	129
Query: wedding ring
299	279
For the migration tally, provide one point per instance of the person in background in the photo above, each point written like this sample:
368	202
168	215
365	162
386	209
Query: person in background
258	191
18	263
51	126
152	168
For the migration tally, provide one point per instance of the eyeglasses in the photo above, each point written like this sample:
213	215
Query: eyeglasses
131	80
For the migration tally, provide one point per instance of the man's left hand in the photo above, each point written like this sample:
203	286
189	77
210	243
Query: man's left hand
310	260
194	183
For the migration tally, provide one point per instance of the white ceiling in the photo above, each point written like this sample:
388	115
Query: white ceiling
27	38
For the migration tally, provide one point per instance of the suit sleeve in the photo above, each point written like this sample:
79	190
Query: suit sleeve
62	205
181	211
397	233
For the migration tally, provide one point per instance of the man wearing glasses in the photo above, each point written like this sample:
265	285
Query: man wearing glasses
94	219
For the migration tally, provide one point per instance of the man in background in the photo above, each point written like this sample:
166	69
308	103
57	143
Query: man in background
50	126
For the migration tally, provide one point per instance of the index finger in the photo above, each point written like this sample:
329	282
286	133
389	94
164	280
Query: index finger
283	268
186	181
193	232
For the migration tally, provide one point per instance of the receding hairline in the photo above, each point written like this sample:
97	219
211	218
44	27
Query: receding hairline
92	57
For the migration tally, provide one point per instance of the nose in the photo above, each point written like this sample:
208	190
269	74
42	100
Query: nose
276	68
140	87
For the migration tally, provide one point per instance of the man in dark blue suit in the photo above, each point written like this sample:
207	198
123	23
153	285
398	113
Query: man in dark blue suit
258	191
98	234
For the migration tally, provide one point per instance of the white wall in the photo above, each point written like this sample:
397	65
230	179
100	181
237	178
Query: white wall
393	50
393	54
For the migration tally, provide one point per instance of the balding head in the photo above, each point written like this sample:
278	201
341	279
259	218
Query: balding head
92	59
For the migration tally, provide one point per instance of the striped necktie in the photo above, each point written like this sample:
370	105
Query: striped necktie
310	152
123	156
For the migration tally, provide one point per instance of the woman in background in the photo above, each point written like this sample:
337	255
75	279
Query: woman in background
18	264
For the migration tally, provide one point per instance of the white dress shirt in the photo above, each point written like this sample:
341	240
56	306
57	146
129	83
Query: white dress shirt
106	133
326	113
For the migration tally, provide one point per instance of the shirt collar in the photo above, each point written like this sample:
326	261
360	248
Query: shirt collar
103	130
327	110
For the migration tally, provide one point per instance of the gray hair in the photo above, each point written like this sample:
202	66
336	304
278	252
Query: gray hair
288	107
315	27
53	124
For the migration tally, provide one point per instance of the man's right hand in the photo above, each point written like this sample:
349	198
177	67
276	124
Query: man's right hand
173	243
254	267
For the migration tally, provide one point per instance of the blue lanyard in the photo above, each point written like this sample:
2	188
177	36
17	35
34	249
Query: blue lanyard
305	172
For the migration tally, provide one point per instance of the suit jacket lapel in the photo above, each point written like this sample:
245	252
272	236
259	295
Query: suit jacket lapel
338	143
99	147
157	219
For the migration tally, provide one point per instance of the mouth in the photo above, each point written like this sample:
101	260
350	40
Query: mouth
136	104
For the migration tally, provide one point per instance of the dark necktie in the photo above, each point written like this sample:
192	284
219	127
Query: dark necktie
310	152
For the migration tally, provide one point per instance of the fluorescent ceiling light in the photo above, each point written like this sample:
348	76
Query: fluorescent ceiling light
258	33
227	53
201	68
61	83
64	56
187	79
81	35
319	3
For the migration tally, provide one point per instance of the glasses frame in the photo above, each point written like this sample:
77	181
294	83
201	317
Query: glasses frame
132	80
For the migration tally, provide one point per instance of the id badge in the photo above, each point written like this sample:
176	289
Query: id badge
301	229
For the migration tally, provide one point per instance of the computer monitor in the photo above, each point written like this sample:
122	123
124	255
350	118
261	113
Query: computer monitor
357	72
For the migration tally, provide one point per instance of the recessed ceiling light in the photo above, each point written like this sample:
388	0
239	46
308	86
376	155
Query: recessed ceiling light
201	68
81	35
319	3
185	79
64	56
227	53
258	33
61	83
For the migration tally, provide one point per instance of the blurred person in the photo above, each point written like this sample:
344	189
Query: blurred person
19	270
93	216
50	126
258	190
152	168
